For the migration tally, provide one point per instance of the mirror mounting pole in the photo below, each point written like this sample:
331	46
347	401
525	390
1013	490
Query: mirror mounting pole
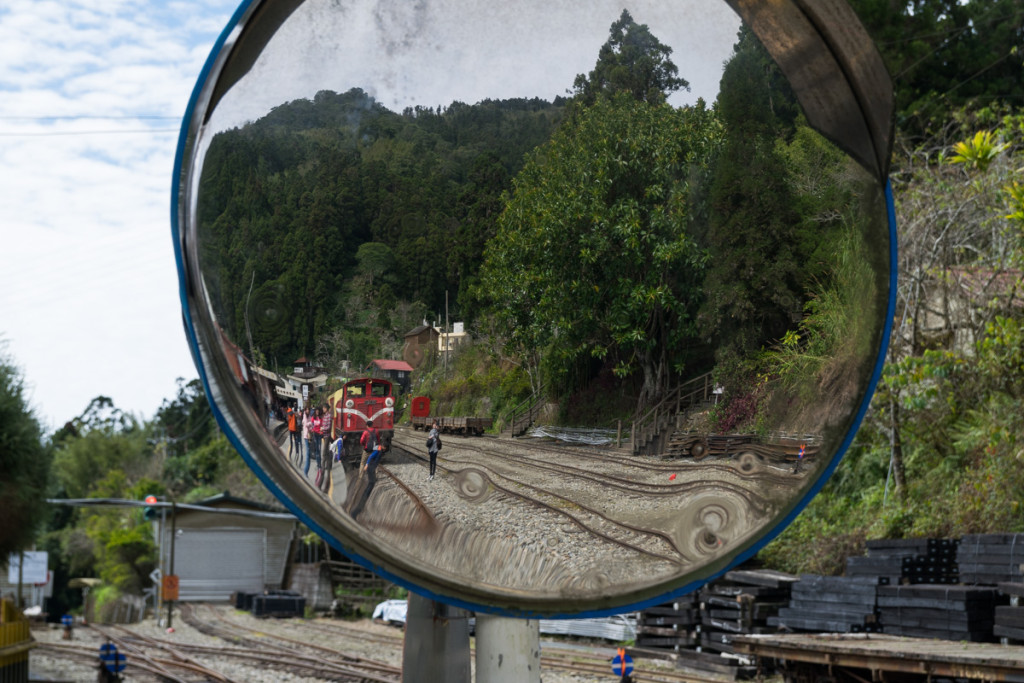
507	649
436	644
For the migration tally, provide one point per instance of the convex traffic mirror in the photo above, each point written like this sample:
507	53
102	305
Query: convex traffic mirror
667	221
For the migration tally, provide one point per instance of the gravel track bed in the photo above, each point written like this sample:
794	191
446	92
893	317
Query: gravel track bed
345	636
58	668
530	548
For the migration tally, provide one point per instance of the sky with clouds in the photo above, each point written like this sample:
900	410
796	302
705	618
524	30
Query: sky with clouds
91	98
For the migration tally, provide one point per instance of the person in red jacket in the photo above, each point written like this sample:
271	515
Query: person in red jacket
369	440
294	445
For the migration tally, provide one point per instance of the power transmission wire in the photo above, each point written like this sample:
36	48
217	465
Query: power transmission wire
88	117
8	134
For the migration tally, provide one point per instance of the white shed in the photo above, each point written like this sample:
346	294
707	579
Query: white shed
237	545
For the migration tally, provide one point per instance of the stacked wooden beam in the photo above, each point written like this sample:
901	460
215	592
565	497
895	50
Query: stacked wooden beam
989	559
1009	622
669	626
683	444
740	603
836	604
937	565
937	611
716	667
885	558
907	560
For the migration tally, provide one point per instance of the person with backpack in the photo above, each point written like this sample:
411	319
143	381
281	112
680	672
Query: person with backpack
369	440
433	446
370	470
293	431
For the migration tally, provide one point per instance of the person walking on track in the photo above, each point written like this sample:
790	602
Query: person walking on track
433	446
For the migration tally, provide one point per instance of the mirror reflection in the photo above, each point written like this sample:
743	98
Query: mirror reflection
570	303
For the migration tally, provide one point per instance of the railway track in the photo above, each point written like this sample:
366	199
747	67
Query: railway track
285	651
747	462
137	668
164	660
564	492
626	485
594	664
588	519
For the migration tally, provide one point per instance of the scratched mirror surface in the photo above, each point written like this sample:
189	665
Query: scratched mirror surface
629	260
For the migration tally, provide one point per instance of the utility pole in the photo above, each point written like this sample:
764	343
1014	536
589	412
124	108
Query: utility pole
21	575
174	529
447	336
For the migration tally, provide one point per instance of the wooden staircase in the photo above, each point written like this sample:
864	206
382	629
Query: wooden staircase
649	434
521	418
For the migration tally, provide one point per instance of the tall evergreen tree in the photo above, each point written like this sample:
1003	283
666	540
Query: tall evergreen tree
752	287
633	61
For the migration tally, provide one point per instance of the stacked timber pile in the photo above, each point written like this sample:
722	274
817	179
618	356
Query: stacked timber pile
696	631
1009	623
945	612
741	603
885	559
937	565
671	625
699	446
713	666
991	558
907	560
778	449
836	604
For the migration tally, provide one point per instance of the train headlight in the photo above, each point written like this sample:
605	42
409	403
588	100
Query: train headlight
349	403
389	401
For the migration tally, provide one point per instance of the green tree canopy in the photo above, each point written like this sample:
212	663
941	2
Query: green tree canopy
24	461
633	61
944	54
594	256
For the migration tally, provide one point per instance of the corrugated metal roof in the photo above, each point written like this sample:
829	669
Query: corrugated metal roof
393	365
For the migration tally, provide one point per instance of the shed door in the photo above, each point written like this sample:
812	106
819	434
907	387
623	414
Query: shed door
211	564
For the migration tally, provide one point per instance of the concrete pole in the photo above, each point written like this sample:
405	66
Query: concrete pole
507	650
436	643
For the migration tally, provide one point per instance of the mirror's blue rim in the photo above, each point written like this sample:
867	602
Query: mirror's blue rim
236	442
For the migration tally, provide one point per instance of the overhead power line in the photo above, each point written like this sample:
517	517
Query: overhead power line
89	117
11	134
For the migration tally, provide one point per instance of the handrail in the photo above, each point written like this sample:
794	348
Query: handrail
700	388
530	402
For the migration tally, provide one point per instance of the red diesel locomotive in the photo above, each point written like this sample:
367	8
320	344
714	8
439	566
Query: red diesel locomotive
363	399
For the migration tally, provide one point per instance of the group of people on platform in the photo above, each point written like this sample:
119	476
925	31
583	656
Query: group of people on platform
309	440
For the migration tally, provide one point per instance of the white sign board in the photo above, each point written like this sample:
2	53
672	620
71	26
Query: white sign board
35	567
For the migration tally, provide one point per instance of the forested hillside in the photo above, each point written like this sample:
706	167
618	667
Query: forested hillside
340	214
606	235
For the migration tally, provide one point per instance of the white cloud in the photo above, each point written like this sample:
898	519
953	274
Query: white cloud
88	288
